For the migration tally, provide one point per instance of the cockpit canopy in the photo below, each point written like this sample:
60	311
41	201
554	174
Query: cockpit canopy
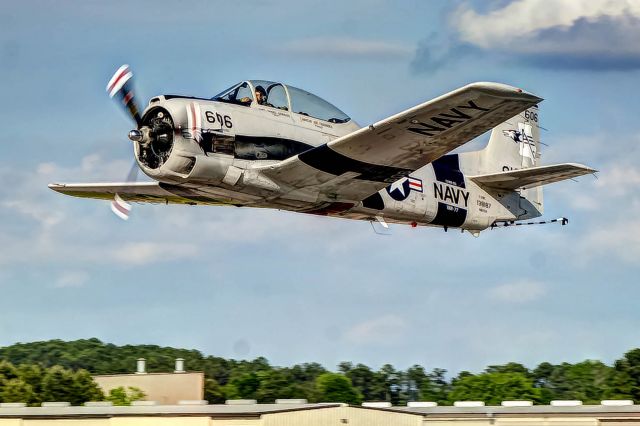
277	95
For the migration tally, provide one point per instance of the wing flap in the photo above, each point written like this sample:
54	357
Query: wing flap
532	177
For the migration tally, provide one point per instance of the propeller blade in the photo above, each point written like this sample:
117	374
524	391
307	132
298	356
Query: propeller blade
121	87
120	207
132	176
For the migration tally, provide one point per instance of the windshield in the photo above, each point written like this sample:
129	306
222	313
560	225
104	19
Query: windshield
239	94
305	103
274	95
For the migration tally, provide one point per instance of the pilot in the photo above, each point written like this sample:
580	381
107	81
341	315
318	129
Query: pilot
261	96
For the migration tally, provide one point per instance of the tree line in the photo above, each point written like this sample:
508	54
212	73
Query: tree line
32	384
55	370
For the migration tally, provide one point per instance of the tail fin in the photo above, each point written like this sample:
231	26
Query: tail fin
514	144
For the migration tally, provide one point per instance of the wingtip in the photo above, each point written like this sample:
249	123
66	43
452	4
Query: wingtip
505	90
57	187
589	170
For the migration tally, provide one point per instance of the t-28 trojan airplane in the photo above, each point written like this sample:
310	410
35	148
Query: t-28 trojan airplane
271	145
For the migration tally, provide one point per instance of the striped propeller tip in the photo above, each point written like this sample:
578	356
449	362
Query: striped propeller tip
120	207
118	80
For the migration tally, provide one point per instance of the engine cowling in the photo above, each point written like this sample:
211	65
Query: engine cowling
167	151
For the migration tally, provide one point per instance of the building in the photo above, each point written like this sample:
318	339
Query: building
300	413
232	414
164	388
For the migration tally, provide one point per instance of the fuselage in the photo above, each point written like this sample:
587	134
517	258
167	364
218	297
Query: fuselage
240	139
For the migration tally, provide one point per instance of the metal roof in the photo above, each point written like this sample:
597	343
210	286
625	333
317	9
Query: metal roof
257	410
535	410
238	411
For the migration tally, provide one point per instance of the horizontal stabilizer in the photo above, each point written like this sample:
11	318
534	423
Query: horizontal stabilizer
532	176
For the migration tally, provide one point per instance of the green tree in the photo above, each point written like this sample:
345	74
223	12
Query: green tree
417	375
588	381
122	396
275	384
8	371
542	379
492	388
85	388
334	387
619	386
542	374
371	386
302	379
230	391
391	380
32	375
436	388
628	377
103	358
307	372
246	385
511	367
16	390
57	384
60	384
213	392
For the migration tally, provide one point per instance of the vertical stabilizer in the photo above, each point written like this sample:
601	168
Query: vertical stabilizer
515	145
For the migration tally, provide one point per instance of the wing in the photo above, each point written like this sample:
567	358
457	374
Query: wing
140	192
532	177
359	164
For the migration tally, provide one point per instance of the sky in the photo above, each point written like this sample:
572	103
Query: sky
243	283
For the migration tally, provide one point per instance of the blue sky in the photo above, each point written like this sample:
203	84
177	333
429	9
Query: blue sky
244	283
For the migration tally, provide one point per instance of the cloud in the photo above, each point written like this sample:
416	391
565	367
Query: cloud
609	232
143	253
523	19
619	180
71	279
599	35
345	47
382	330
617	240
437	51
46	217
518	292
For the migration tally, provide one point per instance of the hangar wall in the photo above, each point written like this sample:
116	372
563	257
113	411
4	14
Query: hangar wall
351	416
165	388
289	414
